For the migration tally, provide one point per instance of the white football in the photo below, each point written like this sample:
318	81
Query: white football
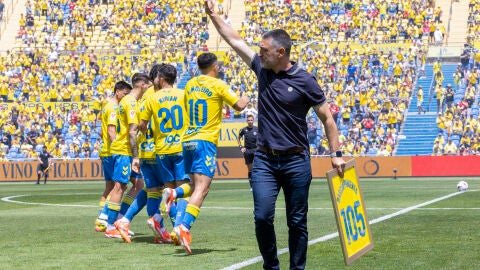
462	186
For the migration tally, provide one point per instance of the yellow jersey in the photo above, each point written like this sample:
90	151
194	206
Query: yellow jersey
146	142
167	113
204	97
127	115
109	118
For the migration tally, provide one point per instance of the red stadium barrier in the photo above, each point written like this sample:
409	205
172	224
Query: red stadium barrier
445	166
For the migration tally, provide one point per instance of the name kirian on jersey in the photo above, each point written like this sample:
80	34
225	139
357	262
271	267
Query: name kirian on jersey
192	130
200	89
167	98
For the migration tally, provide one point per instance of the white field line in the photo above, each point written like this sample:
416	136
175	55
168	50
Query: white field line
333	235
10	199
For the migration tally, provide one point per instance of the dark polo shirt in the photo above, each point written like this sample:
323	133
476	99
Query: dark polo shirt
283	103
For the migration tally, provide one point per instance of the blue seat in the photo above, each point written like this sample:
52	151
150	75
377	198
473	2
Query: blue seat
68	141
455	137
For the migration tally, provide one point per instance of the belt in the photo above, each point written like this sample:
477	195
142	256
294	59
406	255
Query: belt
290	151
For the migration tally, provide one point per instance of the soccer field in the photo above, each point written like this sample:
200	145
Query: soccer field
417	223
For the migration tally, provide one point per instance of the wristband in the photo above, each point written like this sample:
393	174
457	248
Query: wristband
336	154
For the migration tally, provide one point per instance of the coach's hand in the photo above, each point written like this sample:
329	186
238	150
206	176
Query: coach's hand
136	165
339	164
209	7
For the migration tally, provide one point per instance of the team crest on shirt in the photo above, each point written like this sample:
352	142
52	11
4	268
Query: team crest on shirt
255	133
290	89
113	116
132	113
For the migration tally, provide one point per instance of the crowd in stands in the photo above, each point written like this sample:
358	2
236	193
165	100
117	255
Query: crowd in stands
375	21
369	86
458	119
473	32
77	25
66	133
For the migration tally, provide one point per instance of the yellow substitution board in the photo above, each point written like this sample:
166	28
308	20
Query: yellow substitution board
350	213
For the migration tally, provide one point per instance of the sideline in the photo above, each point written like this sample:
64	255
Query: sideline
333	235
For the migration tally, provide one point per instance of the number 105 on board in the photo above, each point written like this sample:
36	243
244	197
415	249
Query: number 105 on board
350	213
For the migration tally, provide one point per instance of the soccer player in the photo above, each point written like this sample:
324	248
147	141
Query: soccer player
204	97
166	107
109	133
151	174
44	165
124	150
136	198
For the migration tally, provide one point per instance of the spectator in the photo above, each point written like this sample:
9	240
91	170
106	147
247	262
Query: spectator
250	110
450	148
2	7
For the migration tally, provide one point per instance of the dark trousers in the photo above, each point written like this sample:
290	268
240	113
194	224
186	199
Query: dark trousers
293	174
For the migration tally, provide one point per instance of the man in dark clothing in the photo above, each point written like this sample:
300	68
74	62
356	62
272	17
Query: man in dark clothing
249	135
43	166
286	93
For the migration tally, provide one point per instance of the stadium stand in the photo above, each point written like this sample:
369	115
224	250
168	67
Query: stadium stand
366	54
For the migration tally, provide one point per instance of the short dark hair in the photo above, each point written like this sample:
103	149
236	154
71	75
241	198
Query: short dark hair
121	85
166	71
140	77
206	60
280	38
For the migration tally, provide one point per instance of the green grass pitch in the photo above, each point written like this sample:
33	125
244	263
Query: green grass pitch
51	227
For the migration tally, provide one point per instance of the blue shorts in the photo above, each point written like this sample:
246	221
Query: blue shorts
171	167
107	166
150	173
200	157
122	168
136	175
